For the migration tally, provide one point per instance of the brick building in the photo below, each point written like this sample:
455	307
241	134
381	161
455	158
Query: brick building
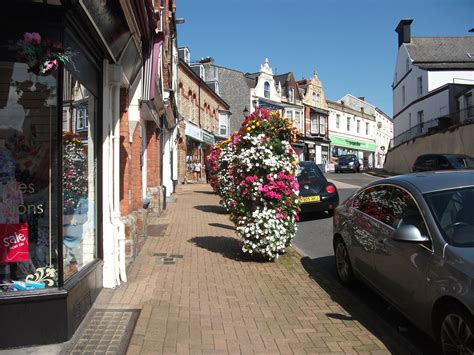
202	110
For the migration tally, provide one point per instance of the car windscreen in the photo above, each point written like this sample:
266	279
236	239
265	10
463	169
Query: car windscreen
309	172
454	214
460	162
346	158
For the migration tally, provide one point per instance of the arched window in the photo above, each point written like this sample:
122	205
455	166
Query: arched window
266	89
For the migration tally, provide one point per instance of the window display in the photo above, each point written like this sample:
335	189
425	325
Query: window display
28	242
79	176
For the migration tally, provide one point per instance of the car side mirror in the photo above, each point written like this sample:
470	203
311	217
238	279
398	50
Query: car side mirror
409	233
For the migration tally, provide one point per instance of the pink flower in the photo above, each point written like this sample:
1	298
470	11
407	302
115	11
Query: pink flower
279	215
50	65
32	37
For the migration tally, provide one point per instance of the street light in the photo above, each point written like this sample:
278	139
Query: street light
246	112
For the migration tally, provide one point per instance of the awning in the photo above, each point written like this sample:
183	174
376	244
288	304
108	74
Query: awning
193	131
352	143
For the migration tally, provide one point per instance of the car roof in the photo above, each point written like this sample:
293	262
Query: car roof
444	155
431	181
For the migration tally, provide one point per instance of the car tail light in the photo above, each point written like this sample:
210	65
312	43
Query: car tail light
330	189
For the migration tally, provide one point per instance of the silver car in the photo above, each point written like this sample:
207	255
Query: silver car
411	238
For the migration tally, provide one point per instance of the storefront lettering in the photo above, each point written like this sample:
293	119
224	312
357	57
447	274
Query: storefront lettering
14	241
27	189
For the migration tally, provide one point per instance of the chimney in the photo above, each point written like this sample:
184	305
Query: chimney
403	30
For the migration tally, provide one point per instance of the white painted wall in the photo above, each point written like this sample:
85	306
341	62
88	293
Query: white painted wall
439	78
352	133
433	107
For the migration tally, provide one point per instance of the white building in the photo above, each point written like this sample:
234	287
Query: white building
352	130
382	131
430	73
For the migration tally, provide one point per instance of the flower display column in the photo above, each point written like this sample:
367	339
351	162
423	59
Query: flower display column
254	173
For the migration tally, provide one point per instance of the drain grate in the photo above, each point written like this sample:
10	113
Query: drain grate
157	230
176	256
104	331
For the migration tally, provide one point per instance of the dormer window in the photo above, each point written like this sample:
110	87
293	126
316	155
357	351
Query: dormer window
266	89
291	95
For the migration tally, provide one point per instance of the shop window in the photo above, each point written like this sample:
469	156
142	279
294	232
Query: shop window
79	179
28	194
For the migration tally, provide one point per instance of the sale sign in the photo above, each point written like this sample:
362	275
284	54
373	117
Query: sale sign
13	242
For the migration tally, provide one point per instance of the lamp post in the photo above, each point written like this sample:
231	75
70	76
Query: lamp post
246	112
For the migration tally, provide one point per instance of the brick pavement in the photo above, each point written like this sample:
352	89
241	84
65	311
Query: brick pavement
212	299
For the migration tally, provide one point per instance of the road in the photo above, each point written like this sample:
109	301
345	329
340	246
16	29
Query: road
314	241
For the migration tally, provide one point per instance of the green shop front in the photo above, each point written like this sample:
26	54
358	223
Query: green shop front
364	150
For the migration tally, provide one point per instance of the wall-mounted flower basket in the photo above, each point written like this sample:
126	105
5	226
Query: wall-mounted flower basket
42	55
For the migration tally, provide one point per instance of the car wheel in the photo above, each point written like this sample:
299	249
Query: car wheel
343	263
330	212
456	331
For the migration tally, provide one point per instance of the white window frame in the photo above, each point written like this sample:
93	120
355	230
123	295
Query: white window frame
338	121
314	124
291	95
82	118
266	89
223	123
419	85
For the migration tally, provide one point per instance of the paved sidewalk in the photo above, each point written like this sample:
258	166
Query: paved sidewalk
215	300
198	293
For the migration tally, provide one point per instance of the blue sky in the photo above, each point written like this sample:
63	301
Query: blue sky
351	44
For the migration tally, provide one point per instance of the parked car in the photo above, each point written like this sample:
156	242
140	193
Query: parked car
348	162
411	238
429	162
316	193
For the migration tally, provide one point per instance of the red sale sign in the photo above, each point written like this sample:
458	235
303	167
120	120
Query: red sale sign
13	242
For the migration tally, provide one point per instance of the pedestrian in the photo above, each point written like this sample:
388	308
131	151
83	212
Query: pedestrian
197	170
207	168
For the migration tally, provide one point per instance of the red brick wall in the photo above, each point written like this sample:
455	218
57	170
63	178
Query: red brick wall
124	152
153	155
136	171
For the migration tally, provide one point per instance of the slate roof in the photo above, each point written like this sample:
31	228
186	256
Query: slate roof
442	52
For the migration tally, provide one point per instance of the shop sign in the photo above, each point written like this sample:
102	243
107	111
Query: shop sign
208	138
352	143
14	243
193	132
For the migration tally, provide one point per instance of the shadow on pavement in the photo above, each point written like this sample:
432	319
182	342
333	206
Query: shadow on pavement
206	192
211	209
220	225
373	312
312	216
228	247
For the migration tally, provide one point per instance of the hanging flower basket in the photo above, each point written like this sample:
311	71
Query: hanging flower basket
254	173
42	55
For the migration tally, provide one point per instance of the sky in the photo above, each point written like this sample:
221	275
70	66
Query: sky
351	44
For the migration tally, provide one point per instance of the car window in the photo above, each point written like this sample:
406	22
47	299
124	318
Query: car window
373	202
403	210
460	162
443	163
454	214
429	162
309	172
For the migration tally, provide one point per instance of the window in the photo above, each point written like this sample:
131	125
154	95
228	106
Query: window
420	116
407	65
291	95
403	95
314	124
469	106
358	126
298	121
404	211
373	202
348	123
409	120
223	124
367	128
322	125
266	89
82	119
338	121
318	100
419	82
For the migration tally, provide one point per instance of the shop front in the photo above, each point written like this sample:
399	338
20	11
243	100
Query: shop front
364	150
50	250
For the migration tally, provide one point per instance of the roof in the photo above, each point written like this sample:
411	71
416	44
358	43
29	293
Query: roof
434	180
442	52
